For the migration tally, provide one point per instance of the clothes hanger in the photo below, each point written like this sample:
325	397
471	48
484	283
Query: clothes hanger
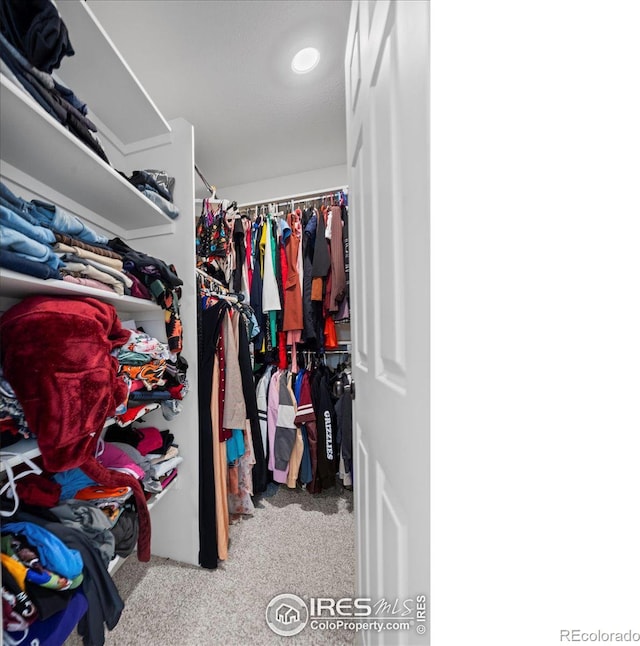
215	289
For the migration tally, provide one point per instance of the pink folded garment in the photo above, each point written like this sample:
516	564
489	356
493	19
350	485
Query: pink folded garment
114	458
88	282
168	478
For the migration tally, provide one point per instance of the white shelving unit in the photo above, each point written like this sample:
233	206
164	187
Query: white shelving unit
114	81
18	286
69	168
40	158
23	449
156	498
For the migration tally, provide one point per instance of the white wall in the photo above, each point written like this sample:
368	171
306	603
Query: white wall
534	322
175	531
276	187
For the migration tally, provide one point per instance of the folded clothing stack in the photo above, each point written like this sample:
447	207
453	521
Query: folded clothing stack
157	185
45	241
33	42
162	281
153	374
30	231
27	239
151	450
85	265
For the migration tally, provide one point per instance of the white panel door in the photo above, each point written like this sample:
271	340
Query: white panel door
387	96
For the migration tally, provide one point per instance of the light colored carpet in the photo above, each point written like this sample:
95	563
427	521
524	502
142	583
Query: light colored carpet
295	543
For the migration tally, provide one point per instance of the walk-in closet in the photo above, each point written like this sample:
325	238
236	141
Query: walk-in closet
319	322
209	385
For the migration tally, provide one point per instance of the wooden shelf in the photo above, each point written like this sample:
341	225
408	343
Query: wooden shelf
66	165
19	286
100	76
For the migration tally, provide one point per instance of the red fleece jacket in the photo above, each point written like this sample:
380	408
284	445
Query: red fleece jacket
56	356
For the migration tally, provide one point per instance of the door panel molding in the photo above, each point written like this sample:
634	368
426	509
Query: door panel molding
387	113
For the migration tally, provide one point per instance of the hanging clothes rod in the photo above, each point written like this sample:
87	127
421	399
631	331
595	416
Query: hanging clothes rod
210	188
297	198
308	199
345	351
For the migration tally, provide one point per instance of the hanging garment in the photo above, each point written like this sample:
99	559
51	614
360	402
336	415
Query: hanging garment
282	274
321	257
279	474
338	277
298	232
235	412
344	474
248	243
293	318
245	289
270	293
345	243
295	460
235	447
344	418
211	237
261	400
285	434
220	463
304	475
307	417
256	283
240	502
330	335
343	314
209	328
326	427
259	470
308	245
238	237
271	289
298	445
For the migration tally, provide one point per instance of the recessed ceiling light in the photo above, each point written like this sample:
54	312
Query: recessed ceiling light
305	60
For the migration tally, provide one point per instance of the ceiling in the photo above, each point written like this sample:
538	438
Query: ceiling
225	66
